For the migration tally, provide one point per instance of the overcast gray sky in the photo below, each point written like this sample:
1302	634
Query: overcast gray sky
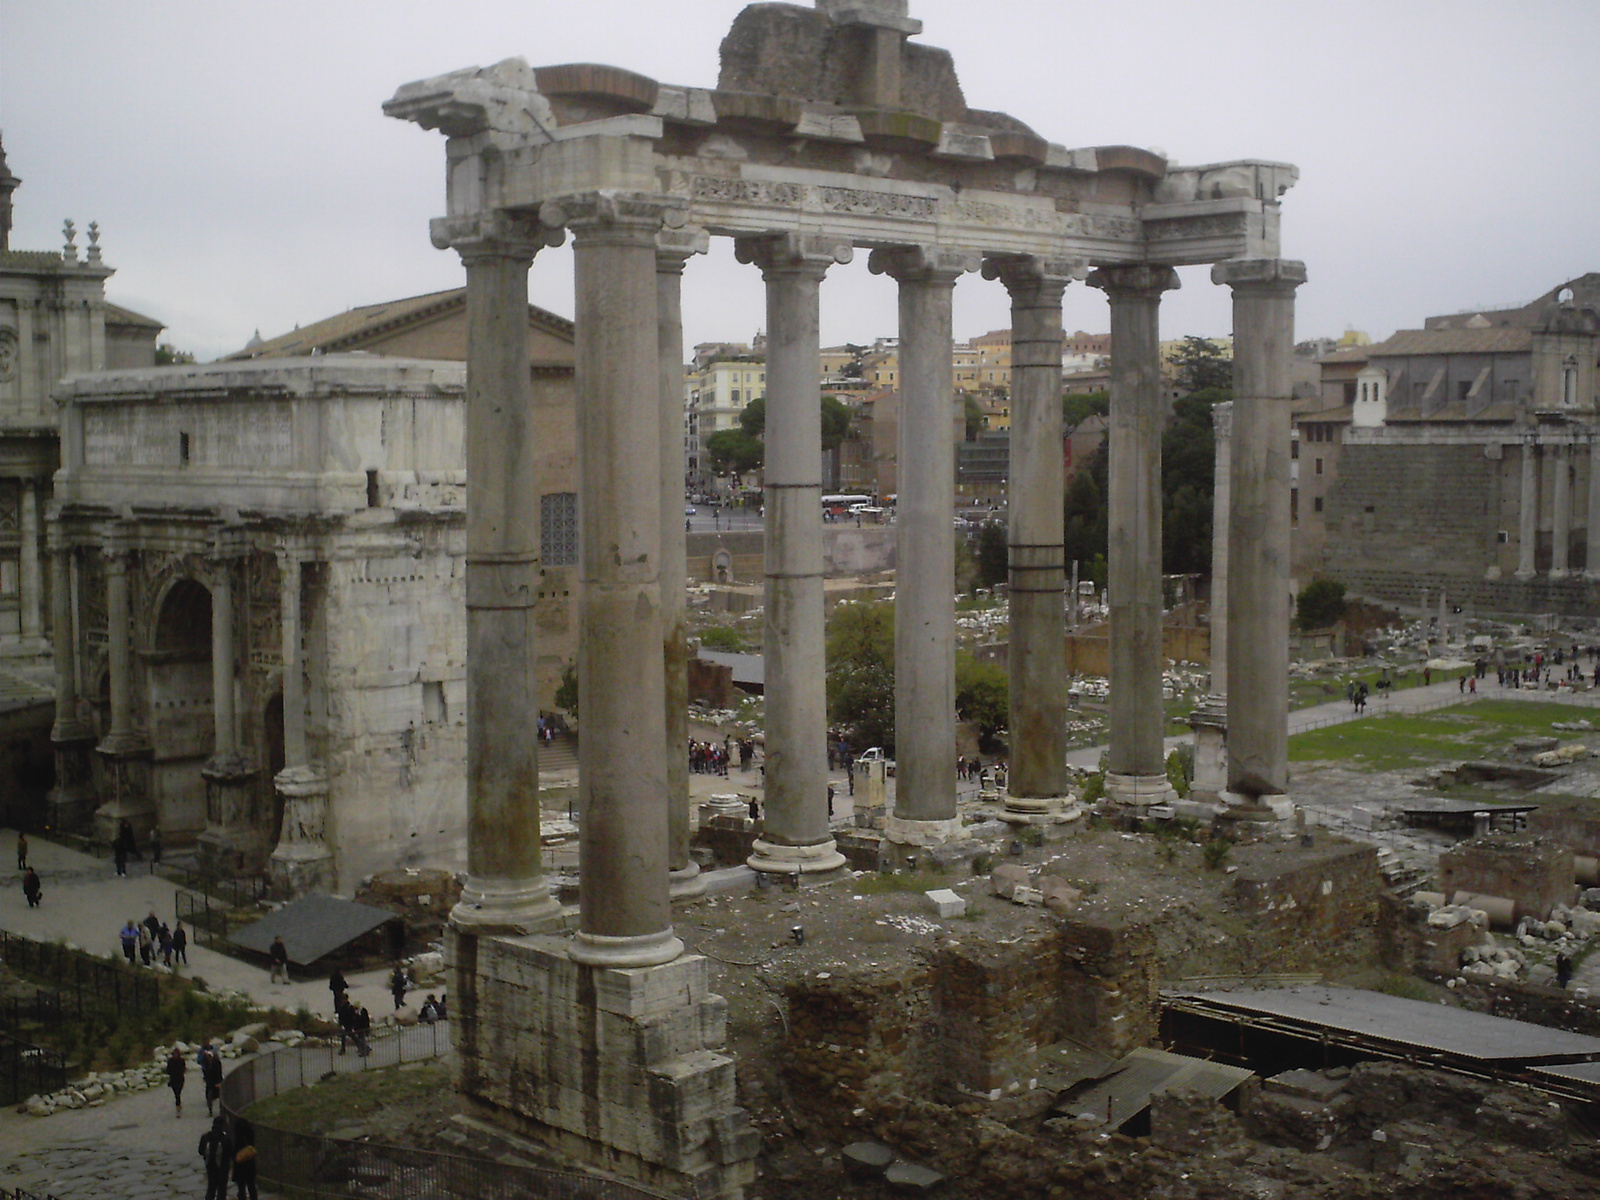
244	176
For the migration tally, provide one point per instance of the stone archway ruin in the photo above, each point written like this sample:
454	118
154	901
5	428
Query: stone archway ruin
829	130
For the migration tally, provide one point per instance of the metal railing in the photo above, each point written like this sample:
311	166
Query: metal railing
210	922
81	979
23	1194
28	1070
326	1168
236	891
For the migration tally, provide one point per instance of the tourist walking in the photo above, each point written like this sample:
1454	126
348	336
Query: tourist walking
119	856
360	1026
338	986
146	944
180	943
244	1157
22	852
155	846
210	1063
398	982
164	941
176	1070
128	935
216	1151
31	889
278	956
1563	970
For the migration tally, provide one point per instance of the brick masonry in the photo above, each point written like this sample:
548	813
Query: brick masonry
1534	873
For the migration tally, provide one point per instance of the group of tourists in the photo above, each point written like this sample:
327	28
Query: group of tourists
972	770
354	1020
710	758
145	941
229	1151
125	846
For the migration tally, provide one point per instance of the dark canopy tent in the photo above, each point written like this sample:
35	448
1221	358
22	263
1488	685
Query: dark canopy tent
313	927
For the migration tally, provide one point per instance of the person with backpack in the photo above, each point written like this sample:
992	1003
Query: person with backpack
210	1073
180	943
244	1158
31	888
216	1151
398	983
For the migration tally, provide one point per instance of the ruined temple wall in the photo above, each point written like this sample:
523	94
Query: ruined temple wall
1534	873
1312	911
1579	831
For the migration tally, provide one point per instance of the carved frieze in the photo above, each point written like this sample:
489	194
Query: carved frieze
1235	224
861	202
263	612
10	505
720	190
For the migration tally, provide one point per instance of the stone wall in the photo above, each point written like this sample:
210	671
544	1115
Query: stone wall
1411	945
1576	828
1311	909
1534	873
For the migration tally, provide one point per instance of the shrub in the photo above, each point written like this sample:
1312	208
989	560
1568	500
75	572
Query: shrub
1216	853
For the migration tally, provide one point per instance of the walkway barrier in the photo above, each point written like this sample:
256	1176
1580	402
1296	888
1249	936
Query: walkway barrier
325	1168
241	891
24	1194
28	1070
82	980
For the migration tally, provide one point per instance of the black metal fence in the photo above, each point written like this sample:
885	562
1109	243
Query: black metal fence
324	1168
27	1070
210	920
23	1194
82	981
232	891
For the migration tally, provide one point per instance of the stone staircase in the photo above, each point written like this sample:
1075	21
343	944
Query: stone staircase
560	754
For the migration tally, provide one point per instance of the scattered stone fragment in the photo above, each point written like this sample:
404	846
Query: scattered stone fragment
1007	877
866	1160
946	903
910	1177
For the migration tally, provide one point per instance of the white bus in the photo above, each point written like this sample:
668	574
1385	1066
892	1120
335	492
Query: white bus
837	505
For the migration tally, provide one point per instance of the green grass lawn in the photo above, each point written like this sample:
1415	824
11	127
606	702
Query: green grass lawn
1304	693
363	1095
1391	742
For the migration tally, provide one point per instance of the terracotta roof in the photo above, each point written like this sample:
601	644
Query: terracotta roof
1496	340
350	330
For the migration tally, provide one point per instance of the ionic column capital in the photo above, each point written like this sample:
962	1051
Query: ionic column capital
675	247
493	234
627	217
1135	280
923	264
1263	276
792	253
1030	279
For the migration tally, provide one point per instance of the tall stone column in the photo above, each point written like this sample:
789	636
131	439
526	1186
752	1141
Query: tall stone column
505	891
1591	562
1037	783
625	915
1136	771
1258	532
1210	720
29	576
924	618
233	831
795	835
124	749
72	799
1528	508
301	861
1561	510
673	249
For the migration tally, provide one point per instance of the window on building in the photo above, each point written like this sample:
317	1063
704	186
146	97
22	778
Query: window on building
1318	468
433	706
1294	448
736	395
1463	388
183	449
558	529
1316	504
1294	505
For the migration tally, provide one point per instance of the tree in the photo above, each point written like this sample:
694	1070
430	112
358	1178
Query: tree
734	450
991	554
1084	509
1201	366
860	673
168	355
753	418
1188	467
836	422
1076	407
973	415
983	694
1321	603
567	692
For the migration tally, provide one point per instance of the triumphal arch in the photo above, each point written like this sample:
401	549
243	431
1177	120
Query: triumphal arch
829	130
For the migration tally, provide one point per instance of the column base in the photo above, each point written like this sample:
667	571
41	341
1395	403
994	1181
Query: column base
1558	573
299	874
71	803
911	831
633	1077
302	862
780	858
686	883
1525	575
1265	809
640	950
512	907
233	842
1046	810
1139	791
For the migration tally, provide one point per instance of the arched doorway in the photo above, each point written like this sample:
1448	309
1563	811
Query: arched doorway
179	703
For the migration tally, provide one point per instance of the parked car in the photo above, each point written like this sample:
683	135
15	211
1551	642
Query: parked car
688	510
878	754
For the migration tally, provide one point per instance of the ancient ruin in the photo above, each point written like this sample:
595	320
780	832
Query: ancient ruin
830	129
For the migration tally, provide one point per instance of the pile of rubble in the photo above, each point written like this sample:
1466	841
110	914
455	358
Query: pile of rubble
95	1088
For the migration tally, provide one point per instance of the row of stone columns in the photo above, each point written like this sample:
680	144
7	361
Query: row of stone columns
1558	456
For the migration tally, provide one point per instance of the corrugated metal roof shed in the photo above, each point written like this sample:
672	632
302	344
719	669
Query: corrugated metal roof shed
1435	1027
312	927
1125	1092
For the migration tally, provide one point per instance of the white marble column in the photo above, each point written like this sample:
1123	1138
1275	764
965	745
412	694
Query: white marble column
1136	771
1037	782
1258	532
673	249
1591	562
505	891
1528	508
1561	510
29	576
795	835
1210	720
233	839
924	619
625	912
